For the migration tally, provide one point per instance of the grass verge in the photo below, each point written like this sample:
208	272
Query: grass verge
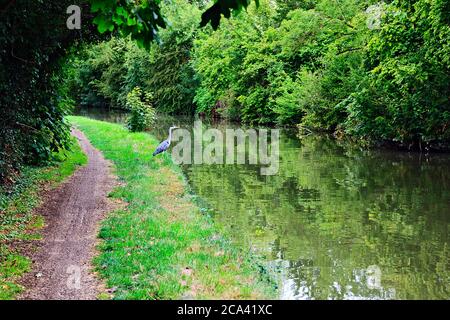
19	226
161	245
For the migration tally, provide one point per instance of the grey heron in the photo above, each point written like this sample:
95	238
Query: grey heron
163	146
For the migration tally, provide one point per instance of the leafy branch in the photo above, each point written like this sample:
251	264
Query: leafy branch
142	18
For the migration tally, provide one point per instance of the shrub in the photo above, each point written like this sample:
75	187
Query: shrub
142	113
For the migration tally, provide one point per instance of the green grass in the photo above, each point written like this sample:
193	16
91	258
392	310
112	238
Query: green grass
160	245
18	223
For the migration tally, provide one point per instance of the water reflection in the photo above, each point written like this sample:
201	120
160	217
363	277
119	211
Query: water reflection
337	222
110	115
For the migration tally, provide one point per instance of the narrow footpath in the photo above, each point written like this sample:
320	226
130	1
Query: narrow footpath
62	265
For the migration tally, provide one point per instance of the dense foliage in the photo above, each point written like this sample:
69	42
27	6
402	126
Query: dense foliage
365	69
104	73
369	70
142	20
142	113
33	37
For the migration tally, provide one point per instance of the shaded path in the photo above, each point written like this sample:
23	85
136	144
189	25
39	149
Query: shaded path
62	265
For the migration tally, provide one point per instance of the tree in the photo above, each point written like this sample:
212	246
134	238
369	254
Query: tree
143	19
33	37
407	96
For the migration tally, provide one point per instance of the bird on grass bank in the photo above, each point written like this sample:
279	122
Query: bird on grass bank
163	146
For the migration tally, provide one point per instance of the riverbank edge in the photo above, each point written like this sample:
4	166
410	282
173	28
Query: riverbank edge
364	143
163	245
21	226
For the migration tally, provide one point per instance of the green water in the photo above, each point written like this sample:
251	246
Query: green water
336	222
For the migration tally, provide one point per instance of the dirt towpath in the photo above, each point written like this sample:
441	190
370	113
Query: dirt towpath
62	266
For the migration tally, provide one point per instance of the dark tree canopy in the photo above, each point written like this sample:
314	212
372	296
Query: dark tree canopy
33	37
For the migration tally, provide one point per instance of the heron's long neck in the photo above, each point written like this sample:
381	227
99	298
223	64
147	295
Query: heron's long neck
170	135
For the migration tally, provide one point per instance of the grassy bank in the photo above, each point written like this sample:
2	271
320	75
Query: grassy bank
19	226
161	246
